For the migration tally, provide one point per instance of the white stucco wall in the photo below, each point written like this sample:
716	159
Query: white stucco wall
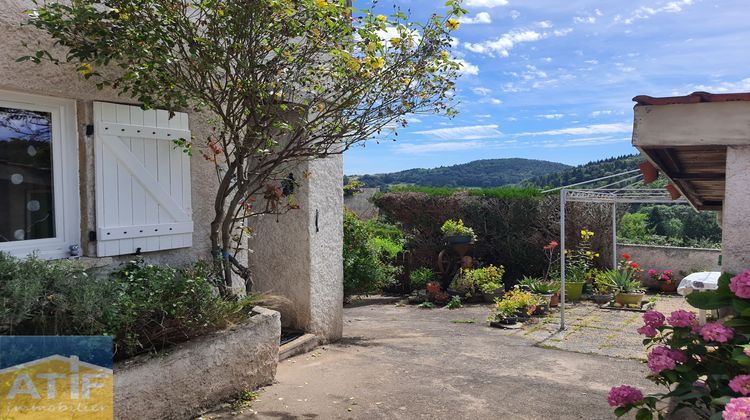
736	211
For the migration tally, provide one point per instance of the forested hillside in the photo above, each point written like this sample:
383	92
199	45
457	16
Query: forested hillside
588	171
479	173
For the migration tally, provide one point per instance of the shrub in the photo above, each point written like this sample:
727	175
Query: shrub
144	307
485	279
368	253
420	277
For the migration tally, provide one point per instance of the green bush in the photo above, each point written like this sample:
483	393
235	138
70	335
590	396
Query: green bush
368	255
420	277
144	307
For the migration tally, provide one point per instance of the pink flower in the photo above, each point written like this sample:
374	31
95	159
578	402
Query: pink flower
681	318
668	272
746	350
714	331
740	285
653	318
741	384
651	272
663	358
648	331
737	409
623	395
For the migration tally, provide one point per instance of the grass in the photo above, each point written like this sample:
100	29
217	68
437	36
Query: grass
498	192
244	400
463	321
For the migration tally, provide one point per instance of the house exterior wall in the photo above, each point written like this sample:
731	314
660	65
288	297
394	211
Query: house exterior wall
736	211
291	257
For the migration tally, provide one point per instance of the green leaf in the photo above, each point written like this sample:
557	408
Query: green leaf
721	400
621	411
708	300
644	414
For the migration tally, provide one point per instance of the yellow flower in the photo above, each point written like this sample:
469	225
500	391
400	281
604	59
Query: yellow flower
444	54
395	41
85	69
452	24
321	3
375	62
371	46
354	65
596	255
583	233
588	252
381	18
407	81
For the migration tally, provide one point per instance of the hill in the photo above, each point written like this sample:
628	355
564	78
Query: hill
485	173
588	171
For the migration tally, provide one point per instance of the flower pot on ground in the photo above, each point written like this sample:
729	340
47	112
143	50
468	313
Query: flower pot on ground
554	301
458	239
602	298
491	296
668	287
432	287
628	299
665	280
573	290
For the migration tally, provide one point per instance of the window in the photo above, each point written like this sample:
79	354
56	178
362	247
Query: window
38	176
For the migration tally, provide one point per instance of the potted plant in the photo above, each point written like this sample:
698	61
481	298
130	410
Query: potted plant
487	281
545	289
627	290
665	280
527	302
455	232
603	292
504	312
579	264
420	277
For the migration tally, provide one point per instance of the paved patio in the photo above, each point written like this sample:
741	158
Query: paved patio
401	362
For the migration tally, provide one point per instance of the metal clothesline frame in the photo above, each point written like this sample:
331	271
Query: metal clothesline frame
590	192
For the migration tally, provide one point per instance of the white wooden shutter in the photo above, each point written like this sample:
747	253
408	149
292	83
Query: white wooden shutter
142	180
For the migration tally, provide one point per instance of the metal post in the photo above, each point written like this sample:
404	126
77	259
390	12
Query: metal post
563	197
614	235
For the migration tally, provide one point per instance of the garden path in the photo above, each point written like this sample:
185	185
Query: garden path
401	362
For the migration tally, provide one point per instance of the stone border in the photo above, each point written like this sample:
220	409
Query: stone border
200	373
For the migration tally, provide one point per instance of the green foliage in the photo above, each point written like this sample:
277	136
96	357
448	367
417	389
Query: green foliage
369	249
457	228
485	279
539	286
486	173
670	226
352	187
620	281
426	305
586	172
143	306
499	192
420	277
454	303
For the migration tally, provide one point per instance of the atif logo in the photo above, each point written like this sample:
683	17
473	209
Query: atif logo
56	387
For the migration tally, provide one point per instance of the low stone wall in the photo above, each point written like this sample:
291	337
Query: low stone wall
200	373
685	260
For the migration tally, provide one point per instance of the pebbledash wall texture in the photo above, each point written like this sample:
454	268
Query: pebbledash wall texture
298	256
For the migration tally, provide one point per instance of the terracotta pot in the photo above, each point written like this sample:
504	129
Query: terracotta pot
554	300
668	287
625	299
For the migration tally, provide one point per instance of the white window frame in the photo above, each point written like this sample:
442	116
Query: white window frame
64	176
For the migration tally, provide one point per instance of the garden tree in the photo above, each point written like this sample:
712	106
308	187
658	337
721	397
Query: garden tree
280	80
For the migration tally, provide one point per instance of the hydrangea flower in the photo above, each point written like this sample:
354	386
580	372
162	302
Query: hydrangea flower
737	409
746	350
648	331
741	384
653	318
681	318
740	285
663	358
714	331
623	395
652	273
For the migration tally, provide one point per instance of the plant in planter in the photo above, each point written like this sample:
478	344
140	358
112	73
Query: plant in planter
455	232
603	292
545	289
579	263
665	280
628	291
487	281
527	301
504	312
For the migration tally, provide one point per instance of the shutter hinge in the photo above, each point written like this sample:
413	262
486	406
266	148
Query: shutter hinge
92	236
90	130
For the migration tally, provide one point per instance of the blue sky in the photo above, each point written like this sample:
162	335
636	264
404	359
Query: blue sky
554	79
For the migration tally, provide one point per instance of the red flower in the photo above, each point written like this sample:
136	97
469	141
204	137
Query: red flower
551	245
626	256
633	265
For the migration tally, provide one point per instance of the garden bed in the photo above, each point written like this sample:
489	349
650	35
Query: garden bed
188	377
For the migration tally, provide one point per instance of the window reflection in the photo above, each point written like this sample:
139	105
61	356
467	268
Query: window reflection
26	196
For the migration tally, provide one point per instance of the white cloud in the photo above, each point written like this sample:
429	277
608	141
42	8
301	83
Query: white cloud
481	91
515	14
411	148
454	42
471	132
585	130
724	87
544	24
465	67
584	19
394	32
481	17
507	41
592	62
602	112
494	101
584	141
551	116
646	12
413	120
483	116
512	119
489	4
